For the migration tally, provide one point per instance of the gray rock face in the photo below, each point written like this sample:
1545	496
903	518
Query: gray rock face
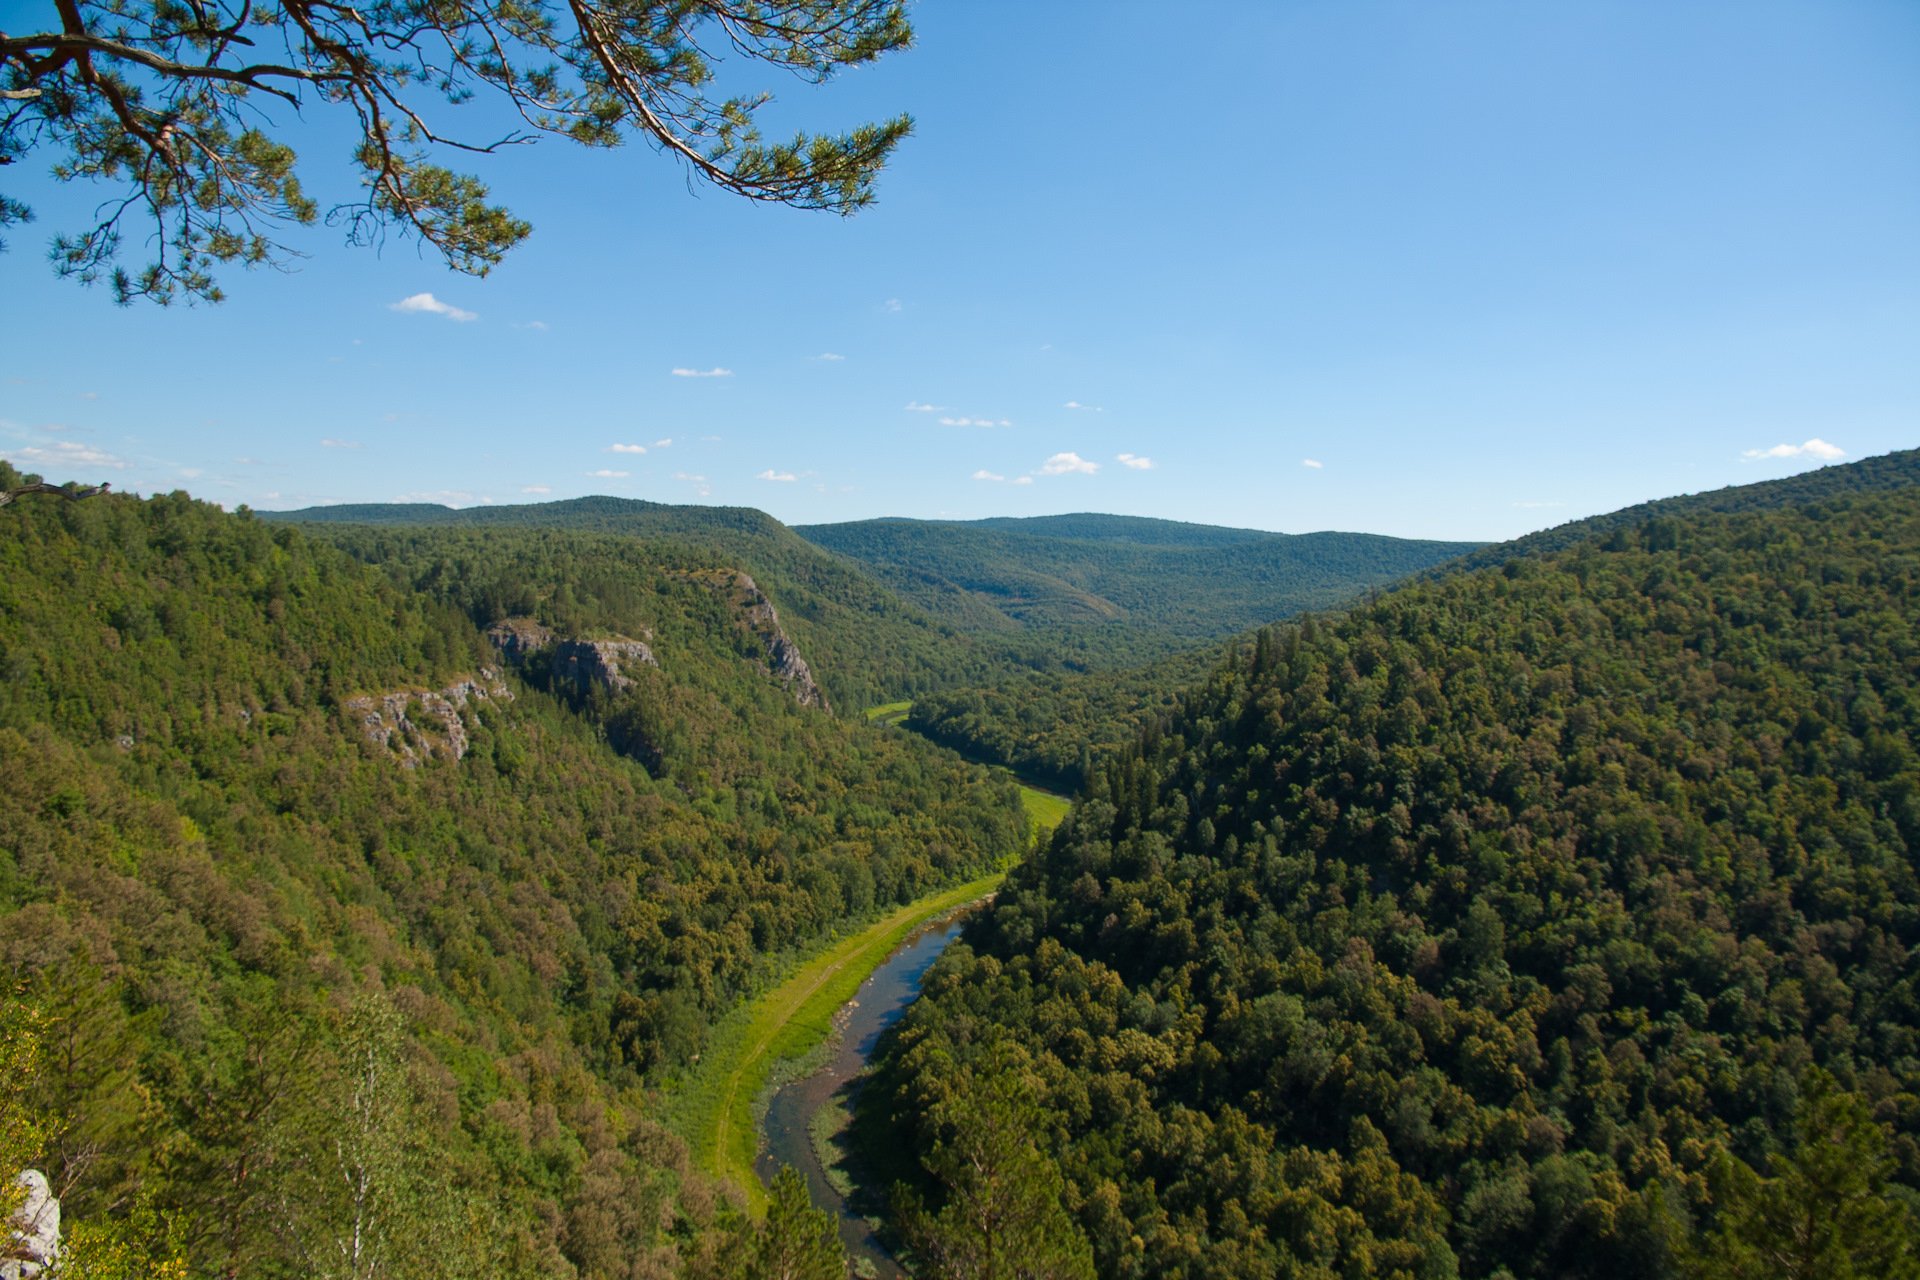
783	655
33	1237
419	724
583	663
517	639
590	662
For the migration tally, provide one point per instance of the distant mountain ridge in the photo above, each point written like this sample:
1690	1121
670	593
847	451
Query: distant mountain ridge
895	608
1089	526
1049	726
865	644
1185	582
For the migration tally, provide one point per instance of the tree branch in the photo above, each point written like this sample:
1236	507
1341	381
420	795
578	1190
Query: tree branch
72	495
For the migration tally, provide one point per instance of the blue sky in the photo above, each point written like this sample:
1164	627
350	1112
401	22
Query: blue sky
1441	269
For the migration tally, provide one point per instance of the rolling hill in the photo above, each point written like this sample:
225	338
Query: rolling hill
1176	583
1512	923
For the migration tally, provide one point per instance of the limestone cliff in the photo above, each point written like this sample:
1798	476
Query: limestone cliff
590	662
757	616
421	724
582	663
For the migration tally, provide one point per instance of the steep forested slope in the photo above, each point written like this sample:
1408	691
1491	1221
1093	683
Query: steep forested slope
1054	726
1047	724
283	835
1889	471
866	644
1171	583
1463	934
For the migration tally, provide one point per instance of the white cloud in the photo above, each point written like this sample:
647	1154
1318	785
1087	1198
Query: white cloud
975	422
539	326
914	406
1135	462
664	444
427	304
891	304
710	439
626	448
1814	448
89	395
536	488
608	473
784	477
65	453
192	473
715	372
1061	464
699	483
1089	408
251	462
1313	463
829	356
1023	480
331	443
984	474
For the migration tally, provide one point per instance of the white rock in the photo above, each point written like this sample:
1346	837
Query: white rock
33	1241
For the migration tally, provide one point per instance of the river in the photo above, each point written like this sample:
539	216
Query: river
881	1000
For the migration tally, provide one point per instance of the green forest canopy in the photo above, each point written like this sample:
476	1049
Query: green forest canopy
1472	931
228	896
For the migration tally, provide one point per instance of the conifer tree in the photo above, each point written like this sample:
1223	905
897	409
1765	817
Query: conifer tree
1003	1218
171	102
796	1241
1826	1209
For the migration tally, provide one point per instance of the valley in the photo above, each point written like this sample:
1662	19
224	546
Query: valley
1502	915
872	640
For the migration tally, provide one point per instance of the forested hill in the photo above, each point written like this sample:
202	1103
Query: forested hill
1049	725
1870	475
1490	929
1179	582
303	877
865	645
1087	526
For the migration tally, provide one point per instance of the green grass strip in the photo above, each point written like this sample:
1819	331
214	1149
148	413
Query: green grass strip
890	712
1044	809
713	1107
716	1104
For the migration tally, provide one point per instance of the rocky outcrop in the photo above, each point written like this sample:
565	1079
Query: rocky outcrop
784	660
783	655
417	725
33	1237
757	615
591	662
518	639
581	663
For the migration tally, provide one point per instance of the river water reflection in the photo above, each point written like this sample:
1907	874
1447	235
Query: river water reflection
880	1002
